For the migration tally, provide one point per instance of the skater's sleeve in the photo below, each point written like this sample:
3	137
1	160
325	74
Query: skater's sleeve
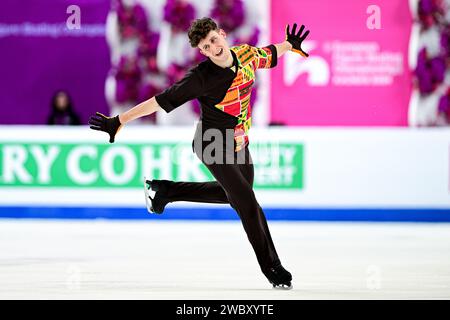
265	57
186	89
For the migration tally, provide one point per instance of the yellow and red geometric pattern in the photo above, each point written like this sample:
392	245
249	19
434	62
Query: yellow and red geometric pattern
237	99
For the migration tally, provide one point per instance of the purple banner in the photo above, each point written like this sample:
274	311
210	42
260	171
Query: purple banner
43	50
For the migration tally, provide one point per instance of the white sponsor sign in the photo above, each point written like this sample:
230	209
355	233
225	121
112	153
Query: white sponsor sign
340	168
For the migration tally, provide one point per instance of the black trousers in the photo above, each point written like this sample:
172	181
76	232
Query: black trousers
234	185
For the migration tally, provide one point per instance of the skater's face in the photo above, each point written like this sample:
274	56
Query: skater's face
215	47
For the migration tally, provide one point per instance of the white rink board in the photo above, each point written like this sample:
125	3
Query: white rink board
343	167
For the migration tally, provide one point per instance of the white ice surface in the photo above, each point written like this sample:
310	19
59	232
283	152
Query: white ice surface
45	259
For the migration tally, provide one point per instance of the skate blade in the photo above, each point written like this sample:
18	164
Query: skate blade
148	198
282	287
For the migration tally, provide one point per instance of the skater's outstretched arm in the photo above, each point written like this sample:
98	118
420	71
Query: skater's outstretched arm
112	125
143	109
282	48
186	89
293	41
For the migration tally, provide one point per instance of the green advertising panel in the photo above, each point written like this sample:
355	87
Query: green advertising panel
81	165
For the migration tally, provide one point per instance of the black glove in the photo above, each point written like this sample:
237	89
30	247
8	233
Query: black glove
297	39
103	123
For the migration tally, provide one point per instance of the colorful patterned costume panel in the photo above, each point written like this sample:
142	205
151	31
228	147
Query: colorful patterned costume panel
237	98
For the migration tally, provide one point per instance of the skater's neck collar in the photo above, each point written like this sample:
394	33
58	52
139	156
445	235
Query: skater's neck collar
233	67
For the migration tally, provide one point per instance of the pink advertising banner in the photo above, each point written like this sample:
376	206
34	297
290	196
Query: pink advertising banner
357	73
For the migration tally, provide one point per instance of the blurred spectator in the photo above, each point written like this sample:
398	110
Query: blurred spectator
149	49
431	34
62	112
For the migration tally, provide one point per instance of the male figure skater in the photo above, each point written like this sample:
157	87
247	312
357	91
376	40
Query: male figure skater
222	84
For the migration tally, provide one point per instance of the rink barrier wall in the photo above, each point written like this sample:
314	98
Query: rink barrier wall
361	174
227	214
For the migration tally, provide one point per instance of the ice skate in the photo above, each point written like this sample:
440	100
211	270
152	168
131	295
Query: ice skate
157	203
279	277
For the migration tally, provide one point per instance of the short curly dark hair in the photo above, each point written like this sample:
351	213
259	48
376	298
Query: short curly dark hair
199	29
